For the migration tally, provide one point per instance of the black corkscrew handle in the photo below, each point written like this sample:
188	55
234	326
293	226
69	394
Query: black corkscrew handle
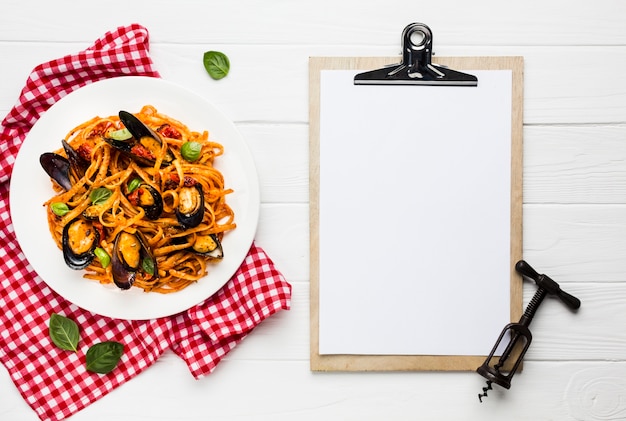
545	282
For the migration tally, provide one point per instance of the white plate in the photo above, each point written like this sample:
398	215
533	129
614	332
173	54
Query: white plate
31	187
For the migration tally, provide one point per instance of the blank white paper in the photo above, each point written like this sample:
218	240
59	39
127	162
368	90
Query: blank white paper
414	216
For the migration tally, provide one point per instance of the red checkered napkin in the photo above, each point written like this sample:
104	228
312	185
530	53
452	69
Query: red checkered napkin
54	382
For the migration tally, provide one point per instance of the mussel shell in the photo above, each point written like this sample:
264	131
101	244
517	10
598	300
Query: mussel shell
155	208
136	127
80	239
77	162
208	246
123	278
126	147
141	134
57	167
129	252
122	145
190	210
60	168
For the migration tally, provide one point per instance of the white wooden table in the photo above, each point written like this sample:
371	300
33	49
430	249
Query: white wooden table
574	194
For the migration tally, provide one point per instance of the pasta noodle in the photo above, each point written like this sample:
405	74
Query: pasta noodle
117	174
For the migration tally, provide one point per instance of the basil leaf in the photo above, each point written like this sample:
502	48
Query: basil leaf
122	134
63	332
59	208
103	357
216	64
191	151
103	256
100	195
147	265
134	184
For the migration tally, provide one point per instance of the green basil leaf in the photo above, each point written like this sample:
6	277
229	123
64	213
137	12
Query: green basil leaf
100	195
103	357
216	64
103	256
59	208
191	151
63	332
122	134
134	184
147	265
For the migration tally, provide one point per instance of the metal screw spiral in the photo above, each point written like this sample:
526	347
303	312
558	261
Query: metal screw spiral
485	389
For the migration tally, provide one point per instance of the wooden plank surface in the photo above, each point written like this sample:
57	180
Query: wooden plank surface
574	194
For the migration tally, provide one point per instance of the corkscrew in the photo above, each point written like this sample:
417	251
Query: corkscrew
500	370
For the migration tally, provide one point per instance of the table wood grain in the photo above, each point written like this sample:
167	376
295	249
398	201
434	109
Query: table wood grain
574	194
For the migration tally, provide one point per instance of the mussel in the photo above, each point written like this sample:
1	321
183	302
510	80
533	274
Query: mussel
149	199
94	211
190	210
57	167
80	239
208	245
143	144
78	164
61	169
131	255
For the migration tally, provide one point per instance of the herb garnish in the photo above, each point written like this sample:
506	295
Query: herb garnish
63	332
122	134
134	184
59	208
101	358
191	151
216	64
102	256
100	195
104	356
147	264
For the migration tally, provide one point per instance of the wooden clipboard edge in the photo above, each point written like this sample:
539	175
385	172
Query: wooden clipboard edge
411	362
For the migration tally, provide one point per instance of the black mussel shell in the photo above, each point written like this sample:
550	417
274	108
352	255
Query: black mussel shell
136	127
122	145
123	274
57	167
126	147
151	201
60	168
208	245
130	250
123	279
142	135
80	239
190	210
77	162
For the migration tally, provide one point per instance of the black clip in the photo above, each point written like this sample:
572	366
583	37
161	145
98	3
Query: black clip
416	67
518	334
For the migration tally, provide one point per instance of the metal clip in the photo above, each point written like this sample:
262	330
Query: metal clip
416	67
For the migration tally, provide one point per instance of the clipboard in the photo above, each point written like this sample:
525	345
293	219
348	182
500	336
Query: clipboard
420	55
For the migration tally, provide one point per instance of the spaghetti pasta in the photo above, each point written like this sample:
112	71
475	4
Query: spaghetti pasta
146	192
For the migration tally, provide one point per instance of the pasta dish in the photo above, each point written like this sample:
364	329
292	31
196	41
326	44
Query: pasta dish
138	201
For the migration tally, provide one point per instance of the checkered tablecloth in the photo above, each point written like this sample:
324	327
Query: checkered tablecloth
55	383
